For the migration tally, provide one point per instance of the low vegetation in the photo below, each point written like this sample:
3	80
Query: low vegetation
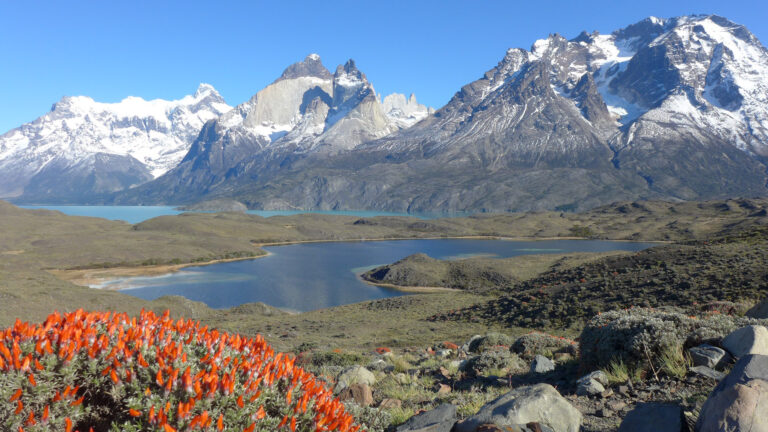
723	274
684	293
108	371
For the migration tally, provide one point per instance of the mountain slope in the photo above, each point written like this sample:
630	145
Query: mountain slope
82	148
306	112
665	108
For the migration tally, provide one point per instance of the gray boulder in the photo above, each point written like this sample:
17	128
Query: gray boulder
740	401
530	427
360	393
708	355
440	419
592	384
541	364
707	372
653	417
469	343
752	339
354	375
598	376
759	310
539	403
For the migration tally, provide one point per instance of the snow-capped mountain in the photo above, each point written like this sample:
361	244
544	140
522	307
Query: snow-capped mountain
306	111
671	109
404	112
662	109
83	147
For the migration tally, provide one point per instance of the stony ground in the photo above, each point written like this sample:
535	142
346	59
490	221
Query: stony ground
414	380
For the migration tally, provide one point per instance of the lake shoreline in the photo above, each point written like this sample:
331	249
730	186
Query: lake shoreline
408	289
100	276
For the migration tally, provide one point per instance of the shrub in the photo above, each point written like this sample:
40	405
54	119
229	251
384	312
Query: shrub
494	360
534	343
373	419
635	335
108	371
332	358
489	341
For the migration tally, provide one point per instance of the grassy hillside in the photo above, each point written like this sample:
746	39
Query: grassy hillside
473	274
721	274
33	242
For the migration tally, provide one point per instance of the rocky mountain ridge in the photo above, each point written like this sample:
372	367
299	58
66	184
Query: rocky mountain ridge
669	109
673	109
306	112
84	147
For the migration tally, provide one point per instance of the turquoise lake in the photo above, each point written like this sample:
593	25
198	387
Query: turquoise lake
303	277
136	214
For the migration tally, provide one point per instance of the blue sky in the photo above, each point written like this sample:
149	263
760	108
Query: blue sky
163	49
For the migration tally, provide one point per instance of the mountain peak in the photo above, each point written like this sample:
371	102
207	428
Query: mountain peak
311	66
67	103
348	75
204	89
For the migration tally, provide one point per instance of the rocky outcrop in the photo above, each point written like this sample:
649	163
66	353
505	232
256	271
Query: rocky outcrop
306	111
740	401
539	403
354	375
760	310
654	417
440	419
751	339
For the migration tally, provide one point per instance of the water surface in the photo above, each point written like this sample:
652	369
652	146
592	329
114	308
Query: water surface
310	276
136	214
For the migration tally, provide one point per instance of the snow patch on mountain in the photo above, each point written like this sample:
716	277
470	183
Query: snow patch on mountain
157	133
404	112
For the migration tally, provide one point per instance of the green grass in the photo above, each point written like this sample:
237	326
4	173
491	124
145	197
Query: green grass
674	362
617	372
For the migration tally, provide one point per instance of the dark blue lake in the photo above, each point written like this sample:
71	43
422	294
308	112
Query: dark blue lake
310	276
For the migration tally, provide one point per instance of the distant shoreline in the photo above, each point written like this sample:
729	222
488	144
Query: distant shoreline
100	276
408	289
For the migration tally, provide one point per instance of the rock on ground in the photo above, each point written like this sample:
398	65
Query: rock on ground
539	403
707	372
760	310
440	419
530	427
708	355
389	403
354	375
740	401
751	339
360	393
541	364
589	385
653	417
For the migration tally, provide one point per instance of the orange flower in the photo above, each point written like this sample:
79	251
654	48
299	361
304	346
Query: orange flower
16	395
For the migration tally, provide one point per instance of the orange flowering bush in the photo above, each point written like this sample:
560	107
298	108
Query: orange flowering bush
108	371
